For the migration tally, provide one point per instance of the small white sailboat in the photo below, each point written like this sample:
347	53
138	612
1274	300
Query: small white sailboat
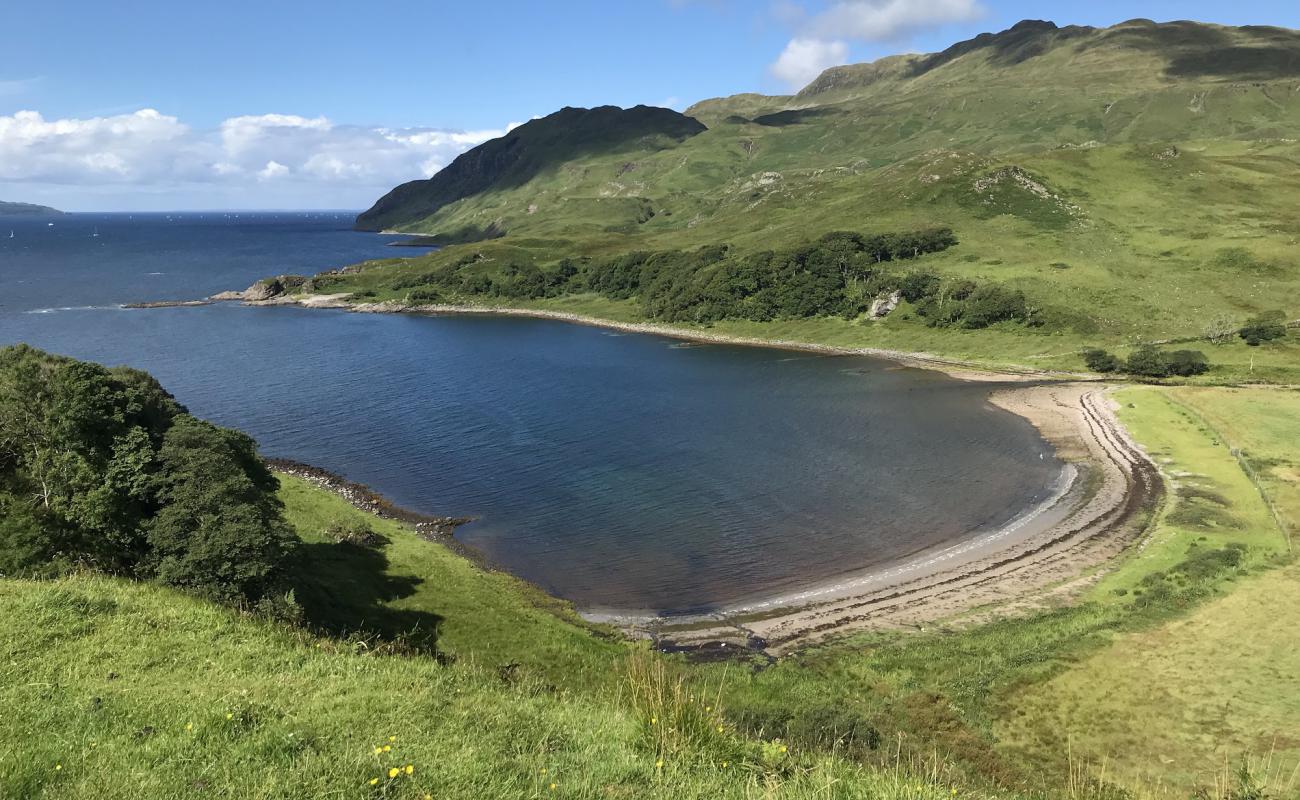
11	233
95	235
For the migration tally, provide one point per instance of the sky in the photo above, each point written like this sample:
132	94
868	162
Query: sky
140	105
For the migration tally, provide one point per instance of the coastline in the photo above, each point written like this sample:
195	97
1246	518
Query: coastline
957	368
1054	550
362	497
1038	560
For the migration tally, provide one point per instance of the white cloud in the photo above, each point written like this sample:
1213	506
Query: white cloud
888	20
267	159
822	39
804	59
272	170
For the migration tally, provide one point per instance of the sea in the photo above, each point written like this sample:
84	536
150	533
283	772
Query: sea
628	473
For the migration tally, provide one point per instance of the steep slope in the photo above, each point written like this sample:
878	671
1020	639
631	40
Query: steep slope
1137	182
528	151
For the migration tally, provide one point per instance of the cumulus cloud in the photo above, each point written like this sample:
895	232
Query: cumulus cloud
299	158
804	59
823	38
889	20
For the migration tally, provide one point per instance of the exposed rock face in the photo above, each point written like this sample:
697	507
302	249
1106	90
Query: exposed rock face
882	306
264	290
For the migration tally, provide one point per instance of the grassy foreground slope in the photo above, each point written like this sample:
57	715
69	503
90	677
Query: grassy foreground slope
1137	182
116	689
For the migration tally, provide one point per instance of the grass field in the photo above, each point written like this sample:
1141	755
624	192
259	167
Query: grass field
1179	701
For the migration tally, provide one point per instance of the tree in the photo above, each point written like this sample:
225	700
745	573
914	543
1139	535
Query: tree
103	468
1186	362
221	530
1099	360
1147	360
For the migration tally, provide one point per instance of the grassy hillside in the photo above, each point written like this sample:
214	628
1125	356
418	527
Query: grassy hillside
26	209
120	689
1138	182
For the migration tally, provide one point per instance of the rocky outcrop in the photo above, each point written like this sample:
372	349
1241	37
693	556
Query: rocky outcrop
884	305
266	289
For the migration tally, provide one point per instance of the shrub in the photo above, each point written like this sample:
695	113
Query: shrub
1186	363
1099	360
1263	328
1146	360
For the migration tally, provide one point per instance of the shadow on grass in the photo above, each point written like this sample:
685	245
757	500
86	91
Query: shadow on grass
345	590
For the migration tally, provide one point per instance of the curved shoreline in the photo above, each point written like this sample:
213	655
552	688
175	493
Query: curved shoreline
964	370
1058	546
856	582
1056	554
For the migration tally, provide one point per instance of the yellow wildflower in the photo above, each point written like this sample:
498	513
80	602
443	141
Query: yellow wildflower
392	738
659	764
58	767
784	749
189	726
387	747
230	716
410	768
653	720
374	781
378	750
719	729
392	772
724	765
552	787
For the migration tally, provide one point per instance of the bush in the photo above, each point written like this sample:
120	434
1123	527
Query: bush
1099	360
1263	328
1186	362
1149	361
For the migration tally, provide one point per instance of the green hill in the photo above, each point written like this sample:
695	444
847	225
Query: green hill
525	152
26	209
1138	182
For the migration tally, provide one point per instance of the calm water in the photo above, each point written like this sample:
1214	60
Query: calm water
621	471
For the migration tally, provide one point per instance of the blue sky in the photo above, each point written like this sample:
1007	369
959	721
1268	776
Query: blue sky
289	104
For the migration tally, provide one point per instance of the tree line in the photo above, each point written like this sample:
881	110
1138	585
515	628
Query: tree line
102	468
838	275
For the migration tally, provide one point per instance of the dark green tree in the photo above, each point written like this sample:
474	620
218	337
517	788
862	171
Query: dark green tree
221	530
